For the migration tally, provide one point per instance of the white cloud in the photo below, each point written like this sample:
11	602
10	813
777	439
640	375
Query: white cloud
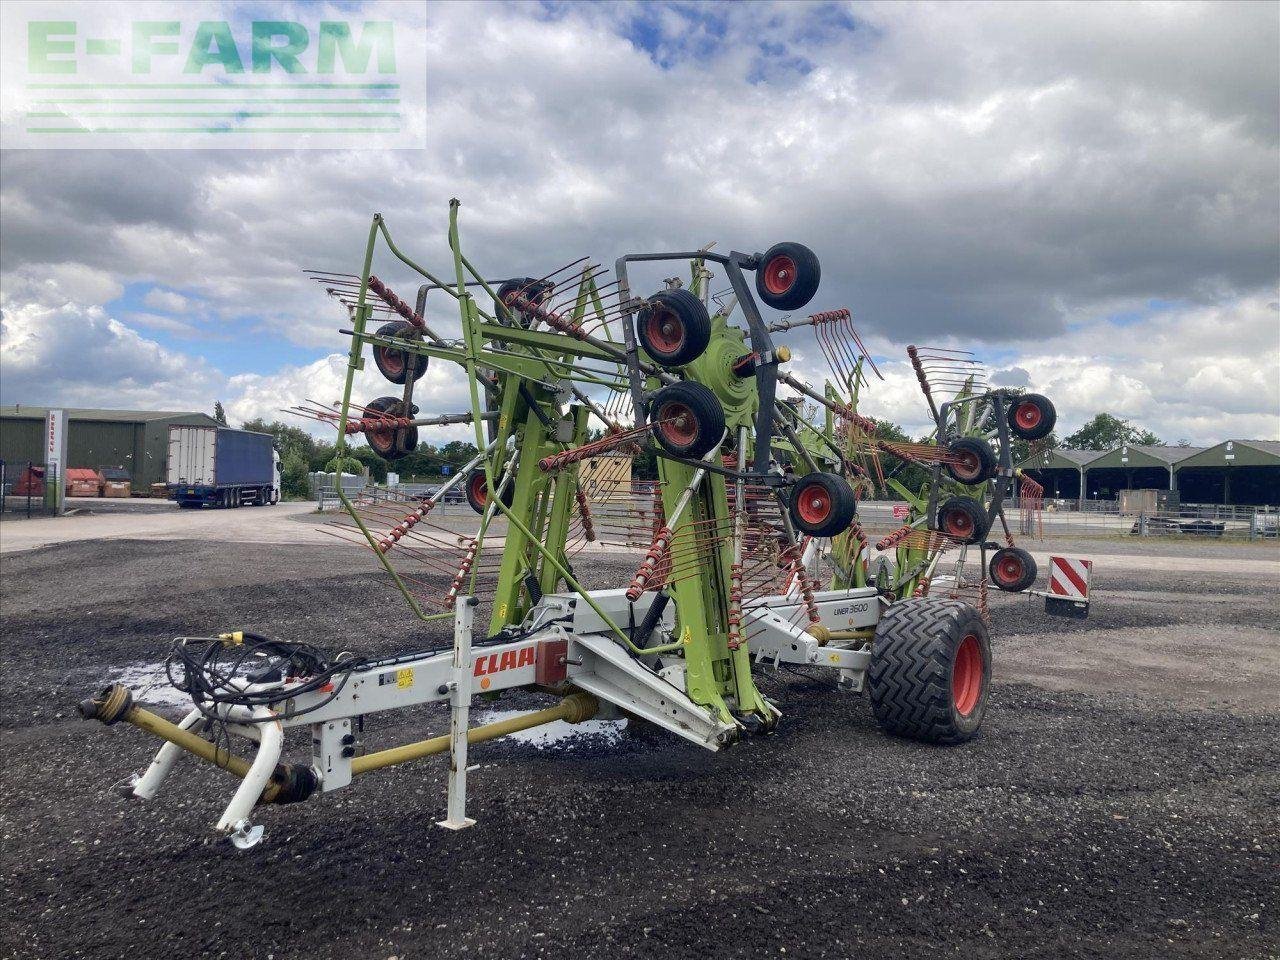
166	301
1000	175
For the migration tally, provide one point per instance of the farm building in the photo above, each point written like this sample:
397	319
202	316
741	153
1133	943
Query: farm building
1245	472
135	440
1235	471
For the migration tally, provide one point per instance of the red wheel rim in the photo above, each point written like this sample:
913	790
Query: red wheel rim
779	274
664	331
968	465
479	489
813	503
1009	569
392	359
677	423
1028	415
966	675
380	440
958	523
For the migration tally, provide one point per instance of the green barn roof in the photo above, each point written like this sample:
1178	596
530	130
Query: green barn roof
1060	458
1236	453
1135	455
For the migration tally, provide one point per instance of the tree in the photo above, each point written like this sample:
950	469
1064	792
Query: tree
345	464
1020	450
364	456
218	413
293	478
1105	431
289	440
910	475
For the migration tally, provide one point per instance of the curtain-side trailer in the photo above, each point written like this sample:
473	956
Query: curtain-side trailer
221	467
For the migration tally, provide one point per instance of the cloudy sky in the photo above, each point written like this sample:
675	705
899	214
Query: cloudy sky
1086	195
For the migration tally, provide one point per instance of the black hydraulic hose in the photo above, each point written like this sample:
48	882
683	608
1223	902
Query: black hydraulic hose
651	618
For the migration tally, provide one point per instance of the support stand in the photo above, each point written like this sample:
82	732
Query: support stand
460	701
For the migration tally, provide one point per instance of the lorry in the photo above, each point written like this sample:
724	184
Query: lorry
221	467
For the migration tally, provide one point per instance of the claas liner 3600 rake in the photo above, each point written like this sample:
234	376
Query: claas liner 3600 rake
753	556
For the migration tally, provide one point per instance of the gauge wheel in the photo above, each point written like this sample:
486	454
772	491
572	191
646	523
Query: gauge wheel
1032	416
392	363
787	276
688	420
971	461
822	504
388	442
477	490
674	327
963	519
1012	569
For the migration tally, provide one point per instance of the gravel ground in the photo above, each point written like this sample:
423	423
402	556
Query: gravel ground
1121	800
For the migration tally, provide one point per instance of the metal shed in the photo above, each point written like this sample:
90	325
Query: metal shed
1235	471
137	440
1060	471
1135	467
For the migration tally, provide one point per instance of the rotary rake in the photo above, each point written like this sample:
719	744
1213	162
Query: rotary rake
749	553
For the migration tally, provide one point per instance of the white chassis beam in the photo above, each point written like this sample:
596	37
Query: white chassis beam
567	641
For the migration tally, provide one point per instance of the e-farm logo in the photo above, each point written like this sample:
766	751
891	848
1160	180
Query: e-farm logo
93	79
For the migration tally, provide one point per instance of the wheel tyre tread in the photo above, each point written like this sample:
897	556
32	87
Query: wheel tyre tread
697	328
909	678
844	504
808	269
975	509
706	408
403	330
985	455
1029	569
1048	419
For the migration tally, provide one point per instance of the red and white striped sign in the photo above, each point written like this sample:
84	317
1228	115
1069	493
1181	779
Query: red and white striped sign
901	511
1069	577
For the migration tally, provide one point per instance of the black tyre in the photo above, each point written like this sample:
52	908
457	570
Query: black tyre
390	443
478	491
1012	569
788	276
963	519
822	504
392	363
1032	416
973	461
930	670
674	327
688	419
530	288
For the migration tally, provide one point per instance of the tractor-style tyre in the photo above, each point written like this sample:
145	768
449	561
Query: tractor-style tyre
688	420
930	670
478	491
788	276
674	327
1012	569
392	363
383	442
963	519
973	461
1032	416
822	504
